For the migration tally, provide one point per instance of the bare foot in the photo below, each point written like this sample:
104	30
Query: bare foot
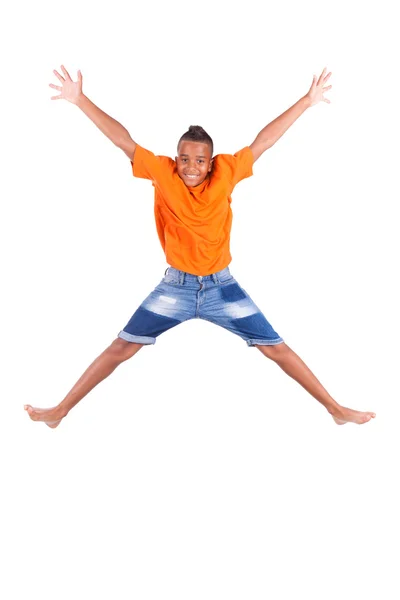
51	416
343	415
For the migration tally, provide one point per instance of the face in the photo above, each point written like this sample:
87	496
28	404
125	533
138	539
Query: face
193	162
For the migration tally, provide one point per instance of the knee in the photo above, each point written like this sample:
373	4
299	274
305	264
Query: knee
276	352
122	350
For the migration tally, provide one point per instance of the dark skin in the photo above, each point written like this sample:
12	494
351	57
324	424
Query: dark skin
194	162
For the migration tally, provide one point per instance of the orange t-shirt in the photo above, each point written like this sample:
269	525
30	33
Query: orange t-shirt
194	223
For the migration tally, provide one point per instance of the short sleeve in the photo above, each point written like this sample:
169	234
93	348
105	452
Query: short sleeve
235	166
148	166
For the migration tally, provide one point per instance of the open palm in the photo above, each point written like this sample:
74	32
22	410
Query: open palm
69	90
316	92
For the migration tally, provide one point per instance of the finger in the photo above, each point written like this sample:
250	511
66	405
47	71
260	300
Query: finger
326	100
57	74
66	74
327	77
321	76
55	87
325	89
80	78
56	97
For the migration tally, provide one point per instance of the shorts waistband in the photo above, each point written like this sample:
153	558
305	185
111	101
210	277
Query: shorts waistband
182	276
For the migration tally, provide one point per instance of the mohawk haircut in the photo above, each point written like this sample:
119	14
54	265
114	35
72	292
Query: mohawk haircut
195	133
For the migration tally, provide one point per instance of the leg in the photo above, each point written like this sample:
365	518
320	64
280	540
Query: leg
167	306
119	351
293	366
230	306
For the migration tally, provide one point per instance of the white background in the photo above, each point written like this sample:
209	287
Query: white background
199	469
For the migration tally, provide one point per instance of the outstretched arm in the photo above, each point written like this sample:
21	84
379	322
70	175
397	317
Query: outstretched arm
274	130
72	91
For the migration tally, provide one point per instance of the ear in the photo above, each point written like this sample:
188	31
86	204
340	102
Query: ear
210	166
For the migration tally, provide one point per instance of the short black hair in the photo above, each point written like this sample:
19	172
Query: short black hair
195	133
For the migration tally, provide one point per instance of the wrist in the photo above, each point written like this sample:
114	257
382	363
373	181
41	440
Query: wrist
306	101
80	100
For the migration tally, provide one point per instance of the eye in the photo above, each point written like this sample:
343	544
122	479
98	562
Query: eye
183	159
201	161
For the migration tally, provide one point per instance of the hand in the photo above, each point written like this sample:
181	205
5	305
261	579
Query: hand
316	92
69	90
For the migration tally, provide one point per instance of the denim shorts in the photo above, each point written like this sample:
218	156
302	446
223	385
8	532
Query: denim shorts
217	298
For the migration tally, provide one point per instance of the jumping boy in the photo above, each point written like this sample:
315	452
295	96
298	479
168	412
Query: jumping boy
193	219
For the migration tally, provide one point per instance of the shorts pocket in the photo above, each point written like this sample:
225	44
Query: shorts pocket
170	280
226	277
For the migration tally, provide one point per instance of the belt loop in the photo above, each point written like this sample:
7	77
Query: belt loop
181	277
215	278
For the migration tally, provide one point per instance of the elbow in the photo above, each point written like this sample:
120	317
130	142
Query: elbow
268	143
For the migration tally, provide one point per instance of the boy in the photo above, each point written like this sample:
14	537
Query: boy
193	218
